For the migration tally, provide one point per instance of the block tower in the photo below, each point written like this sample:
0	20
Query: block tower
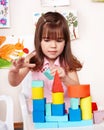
38	101
58	105
83	109
52	115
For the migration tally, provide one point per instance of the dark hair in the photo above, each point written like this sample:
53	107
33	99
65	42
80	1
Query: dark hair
54	25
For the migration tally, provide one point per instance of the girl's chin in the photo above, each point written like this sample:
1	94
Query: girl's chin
51	58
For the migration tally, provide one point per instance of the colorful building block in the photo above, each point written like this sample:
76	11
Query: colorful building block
38	93
94	106
57	85
39	104
58	98
74	103
37	83
46	125
47	73
75	123
86	108
98	116
74	114
48	109
38	116
57	118
79	91
58	109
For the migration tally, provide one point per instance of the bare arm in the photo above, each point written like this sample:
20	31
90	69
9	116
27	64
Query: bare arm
19	70
15	77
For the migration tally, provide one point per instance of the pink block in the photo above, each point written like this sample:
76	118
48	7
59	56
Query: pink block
98	116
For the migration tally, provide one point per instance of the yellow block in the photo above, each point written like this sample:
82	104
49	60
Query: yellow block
85	103
38	93
86	107
57	98
87	115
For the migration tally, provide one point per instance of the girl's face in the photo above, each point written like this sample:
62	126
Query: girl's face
52	48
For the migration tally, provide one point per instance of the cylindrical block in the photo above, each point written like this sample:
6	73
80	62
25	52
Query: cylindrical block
38	93
86	107
57	98
79	91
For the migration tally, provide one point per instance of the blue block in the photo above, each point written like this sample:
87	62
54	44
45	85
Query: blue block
47	73
38	116
57	118
46	125
48	109
58	109
37	83
75	114
76	123
39	104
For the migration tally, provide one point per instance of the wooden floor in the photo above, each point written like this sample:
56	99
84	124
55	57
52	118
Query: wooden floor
18	126
18	129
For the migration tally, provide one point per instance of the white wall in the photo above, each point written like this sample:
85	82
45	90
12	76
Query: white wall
88	48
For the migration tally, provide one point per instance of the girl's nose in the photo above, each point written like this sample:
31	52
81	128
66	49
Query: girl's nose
53	43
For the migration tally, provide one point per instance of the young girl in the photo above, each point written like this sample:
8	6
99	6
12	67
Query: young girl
53	52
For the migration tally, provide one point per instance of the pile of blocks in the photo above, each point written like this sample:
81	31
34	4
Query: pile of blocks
54	115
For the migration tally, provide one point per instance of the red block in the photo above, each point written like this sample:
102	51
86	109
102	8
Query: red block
94	106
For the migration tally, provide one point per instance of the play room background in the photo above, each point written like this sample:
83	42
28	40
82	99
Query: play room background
87	42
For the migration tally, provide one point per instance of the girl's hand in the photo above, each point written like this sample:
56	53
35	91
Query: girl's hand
60	71
20	63
23	62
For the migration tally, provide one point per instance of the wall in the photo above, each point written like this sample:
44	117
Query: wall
88	48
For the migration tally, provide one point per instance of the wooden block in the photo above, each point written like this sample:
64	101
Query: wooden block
37	93
58	109
74	114
38	116
57	84
39	104
48	109
58	98
98	116
47	73
57	118
86	108
79	91
46	125
76	123
94	106
37	83
74	103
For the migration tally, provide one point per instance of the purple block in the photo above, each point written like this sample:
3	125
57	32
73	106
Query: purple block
98	116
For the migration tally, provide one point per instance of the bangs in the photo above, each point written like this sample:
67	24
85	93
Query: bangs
52	31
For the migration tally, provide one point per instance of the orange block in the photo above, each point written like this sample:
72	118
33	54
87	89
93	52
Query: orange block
79	91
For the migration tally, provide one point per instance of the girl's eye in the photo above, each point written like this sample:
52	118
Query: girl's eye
46	40
60	40
57	40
